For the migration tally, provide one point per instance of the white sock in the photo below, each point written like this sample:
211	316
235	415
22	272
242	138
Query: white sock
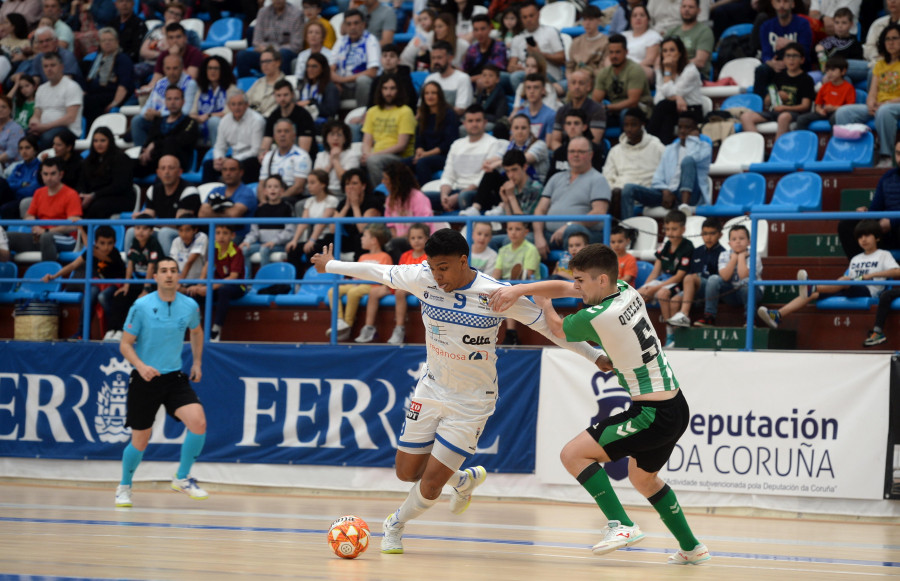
414	505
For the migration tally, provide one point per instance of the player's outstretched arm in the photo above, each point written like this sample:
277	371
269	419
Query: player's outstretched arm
323	258
554	321
505	297
537	319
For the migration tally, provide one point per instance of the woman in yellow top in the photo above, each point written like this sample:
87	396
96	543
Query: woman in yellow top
883	102
388	129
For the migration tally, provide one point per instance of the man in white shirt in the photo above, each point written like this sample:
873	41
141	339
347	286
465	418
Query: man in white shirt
357	59
456	84
538	39
57	104
465	161
634	159
241	130
287	160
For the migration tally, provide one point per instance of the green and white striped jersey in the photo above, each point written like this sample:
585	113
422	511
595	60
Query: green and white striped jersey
621	326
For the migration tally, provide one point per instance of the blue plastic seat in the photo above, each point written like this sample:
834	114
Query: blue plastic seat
7	293
405	37
737	30
223	30
846	303
796	192
789	153
195	175
751	101
244	83
273	271
418	79
738	193
310	294
842	155
644	270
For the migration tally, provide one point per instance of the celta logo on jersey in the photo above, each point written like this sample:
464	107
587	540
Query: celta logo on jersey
477	340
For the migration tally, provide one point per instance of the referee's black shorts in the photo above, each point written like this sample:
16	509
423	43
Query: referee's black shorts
171	390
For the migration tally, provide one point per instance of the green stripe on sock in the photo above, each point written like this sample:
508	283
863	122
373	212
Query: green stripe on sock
673	517
599	487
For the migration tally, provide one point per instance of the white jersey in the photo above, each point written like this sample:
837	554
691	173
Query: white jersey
621	326
863	263
460	329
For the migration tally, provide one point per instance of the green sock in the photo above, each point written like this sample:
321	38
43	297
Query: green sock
595	480
672	516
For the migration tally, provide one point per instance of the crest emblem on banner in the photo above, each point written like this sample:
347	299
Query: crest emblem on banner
111	402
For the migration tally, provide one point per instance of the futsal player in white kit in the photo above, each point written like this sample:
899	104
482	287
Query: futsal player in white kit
458	389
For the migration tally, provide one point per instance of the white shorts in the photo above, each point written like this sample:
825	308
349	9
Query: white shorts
448	431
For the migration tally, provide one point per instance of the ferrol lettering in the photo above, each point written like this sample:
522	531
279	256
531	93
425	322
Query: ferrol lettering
631	311
468	340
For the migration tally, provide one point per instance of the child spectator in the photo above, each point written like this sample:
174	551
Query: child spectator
22	95
870	264
885	300
269	238
520	193
729	284
189	250
491	96
107	263
704	264
142	257
321	204
793	94
833	93
373	240
518	260
20	180
577	241
482	257
672	260
618	241
417	235
843	44
229	265
533	106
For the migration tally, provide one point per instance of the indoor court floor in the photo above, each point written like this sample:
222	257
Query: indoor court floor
66	532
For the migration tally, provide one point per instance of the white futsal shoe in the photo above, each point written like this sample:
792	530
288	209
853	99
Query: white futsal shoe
460	501
697	555
123	496
392	541
617	536
189	486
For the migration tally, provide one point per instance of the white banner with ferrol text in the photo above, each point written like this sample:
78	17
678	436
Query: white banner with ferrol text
772	423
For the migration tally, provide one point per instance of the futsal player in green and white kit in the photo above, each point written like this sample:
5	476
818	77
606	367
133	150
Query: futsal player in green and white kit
648	431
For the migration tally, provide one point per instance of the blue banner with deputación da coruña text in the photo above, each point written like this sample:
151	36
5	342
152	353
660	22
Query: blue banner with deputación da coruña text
288	404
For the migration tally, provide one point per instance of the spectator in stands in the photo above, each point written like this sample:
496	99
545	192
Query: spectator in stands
491	97
535	38
54	201
168	199
666	14
870	264
697	37
577	241
589	49
14	42
381	20
312	13
465	165
190	56
288	108
279	25
580	85
261	94
704	263
314	40
22	94
537	64
416	53
404	199
268	238
642	41
484	50
437	127
618	242
106	184
870	49
575	125
886	199
131	30
680	178
482	257
634	159
287	160
29	9
540	116
678	86
144	252
307	239
725	13
622	83
580	190
72	162
388	130
510	25
358	202
156	104
57	104
155	42
10	133
520	193
796	93
318	95
174	134
843	43
774	36
883	101
338	156
208	109
189	251
825	11
110	80
232	199
241	130
20	181
445	31
834	93
391	65
46	43
53	12
357	59
229	264
4	246
456	84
